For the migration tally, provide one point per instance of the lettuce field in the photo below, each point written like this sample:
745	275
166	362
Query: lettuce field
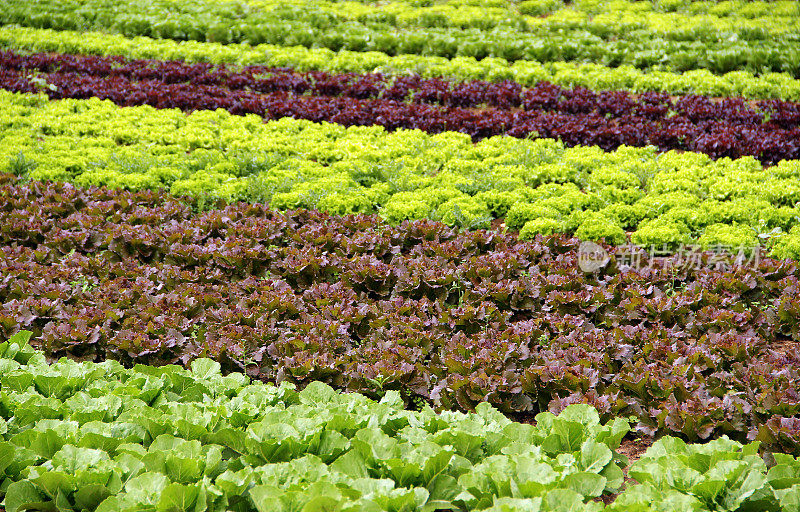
399	256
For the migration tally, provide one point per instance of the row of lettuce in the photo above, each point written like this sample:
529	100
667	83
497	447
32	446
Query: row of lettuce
528	73
688	344
241	23
752	20
538	187
98	436
732	128
672	19
642	50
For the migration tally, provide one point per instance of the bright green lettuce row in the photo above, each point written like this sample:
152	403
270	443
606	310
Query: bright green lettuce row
720	475
537	186
788	246
97	436
752	21
592	76
703	42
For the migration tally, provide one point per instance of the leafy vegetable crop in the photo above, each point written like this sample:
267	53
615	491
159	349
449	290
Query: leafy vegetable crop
320	256
528	73
537	186
642	49
731	128
444	317
671	20
88	436
96	436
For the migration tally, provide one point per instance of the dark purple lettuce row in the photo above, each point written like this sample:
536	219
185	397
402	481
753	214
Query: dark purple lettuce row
768	130
413	88
448	317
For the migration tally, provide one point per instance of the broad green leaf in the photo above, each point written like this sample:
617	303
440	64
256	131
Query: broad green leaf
21	338
374	444
372	485
133	449
273	442
515	505
85	408
790	499
406	474
168	443
124	503
23	458
584	414
666	501
59	384
36	408
744	488
708	489
566	500
435	465
322	504
614	477
443	488
194	393
318	394
402	500
214	463
54	482
130	466
438	505
235	483
90	496
467	445
229	437
665	446
178	498
589	485
268	498
184	469
328	445
613	433
14	380
99	442
782	475
155	461
7	452
23	495
594	456
567	437
146	488
14	347
111	504
205	368
71	458
533	477
45	444
393	399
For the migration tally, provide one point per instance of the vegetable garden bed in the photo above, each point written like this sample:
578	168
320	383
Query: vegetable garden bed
450	255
